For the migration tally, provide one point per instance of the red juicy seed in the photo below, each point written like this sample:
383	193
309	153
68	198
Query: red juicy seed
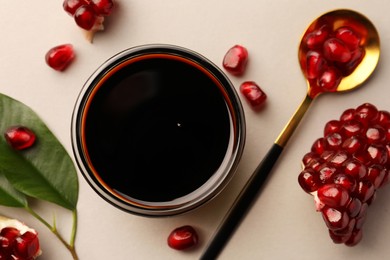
315	64
103	7
375	134
335	219
327	155
331	127
315	164
329	79
7	239
347	231
356	169
70	6
235	60
309	157
336	50
367	113
347	115
346	181
333	195
319	146
182	238
352	144
326	173
317	37
349	37
376	154
253	93
334	141
352	128
309	180
356	58
27	245
354	207
85	17
19	137
338	239
355	238
338	158
376	174
383	118
365	190
60	57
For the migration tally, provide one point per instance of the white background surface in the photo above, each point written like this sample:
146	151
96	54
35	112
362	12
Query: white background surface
282	223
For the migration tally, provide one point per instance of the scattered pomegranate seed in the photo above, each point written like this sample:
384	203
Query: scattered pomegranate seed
330	55
183	238
19	137
17	241
60	57
235	60
253	93
354	164
89	14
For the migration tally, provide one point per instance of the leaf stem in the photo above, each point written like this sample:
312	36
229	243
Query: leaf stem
70	246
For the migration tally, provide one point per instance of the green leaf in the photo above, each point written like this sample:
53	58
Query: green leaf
44	171
9	196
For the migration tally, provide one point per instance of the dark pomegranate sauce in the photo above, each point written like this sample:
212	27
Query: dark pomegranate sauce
156	129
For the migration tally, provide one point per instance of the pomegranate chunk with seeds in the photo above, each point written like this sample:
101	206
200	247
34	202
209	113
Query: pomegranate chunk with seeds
18	241
330	52
253	93
183	238
235	60
89	14
344	169
19	137
60	57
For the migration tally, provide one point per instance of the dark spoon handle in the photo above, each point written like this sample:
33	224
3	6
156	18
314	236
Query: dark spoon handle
242	203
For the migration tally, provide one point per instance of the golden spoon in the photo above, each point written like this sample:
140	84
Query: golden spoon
370	46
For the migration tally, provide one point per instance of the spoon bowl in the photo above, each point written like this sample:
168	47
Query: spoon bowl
370	48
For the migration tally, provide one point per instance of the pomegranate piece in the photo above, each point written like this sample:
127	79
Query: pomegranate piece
315	64
183	238
336	50
89	14
235	60
345	168
19	137
316	38
18	241
60	57
349	37
253	93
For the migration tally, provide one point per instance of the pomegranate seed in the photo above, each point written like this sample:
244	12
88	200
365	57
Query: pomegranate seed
333	195
309	181
70	6
102	7
253	93
182	238
317	38
60	57
335	219
329	79
356	58
336	50
315	64
19	137
331	127
26	245
85	17
235	60
344	182
349	37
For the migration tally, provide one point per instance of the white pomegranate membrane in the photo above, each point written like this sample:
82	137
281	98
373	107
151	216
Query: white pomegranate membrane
169	160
